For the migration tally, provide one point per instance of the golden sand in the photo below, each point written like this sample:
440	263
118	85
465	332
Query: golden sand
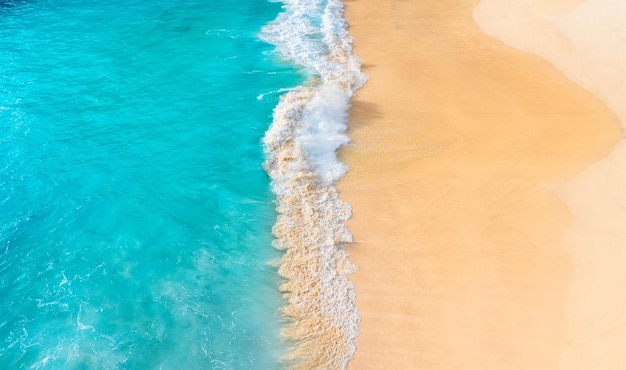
585	40
463	158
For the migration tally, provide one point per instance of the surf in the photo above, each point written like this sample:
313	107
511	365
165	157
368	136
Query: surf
309	126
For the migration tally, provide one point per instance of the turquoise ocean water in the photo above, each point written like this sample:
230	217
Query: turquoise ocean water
135	216
138	228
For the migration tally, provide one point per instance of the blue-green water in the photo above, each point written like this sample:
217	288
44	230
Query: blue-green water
135	217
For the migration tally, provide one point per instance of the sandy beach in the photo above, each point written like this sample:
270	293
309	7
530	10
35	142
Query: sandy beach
487	184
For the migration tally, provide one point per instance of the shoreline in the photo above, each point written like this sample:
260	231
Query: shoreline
308	125
463	158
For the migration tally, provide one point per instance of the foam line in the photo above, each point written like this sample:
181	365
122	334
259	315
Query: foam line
309	125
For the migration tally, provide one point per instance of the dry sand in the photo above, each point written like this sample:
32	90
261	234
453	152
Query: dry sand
486	211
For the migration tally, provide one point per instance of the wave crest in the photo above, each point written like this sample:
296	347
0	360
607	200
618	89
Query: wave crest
309	125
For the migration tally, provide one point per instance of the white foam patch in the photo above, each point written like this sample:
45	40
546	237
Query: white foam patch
326	115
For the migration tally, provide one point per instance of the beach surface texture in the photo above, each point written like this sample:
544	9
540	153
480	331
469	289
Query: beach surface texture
488	184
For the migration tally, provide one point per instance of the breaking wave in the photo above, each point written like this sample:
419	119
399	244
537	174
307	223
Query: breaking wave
309	125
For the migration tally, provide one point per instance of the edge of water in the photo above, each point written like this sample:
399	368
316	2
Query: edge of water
309	126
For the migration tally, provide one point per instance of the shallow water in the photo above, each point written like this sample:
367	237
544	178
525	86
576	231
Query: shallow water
135	217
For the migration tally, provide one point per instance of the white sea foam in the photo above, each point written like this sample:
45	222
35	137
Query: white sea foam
309	126
272	92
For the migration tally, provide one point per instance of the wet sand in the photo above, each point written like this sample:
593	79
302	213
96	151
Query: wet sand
479	221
